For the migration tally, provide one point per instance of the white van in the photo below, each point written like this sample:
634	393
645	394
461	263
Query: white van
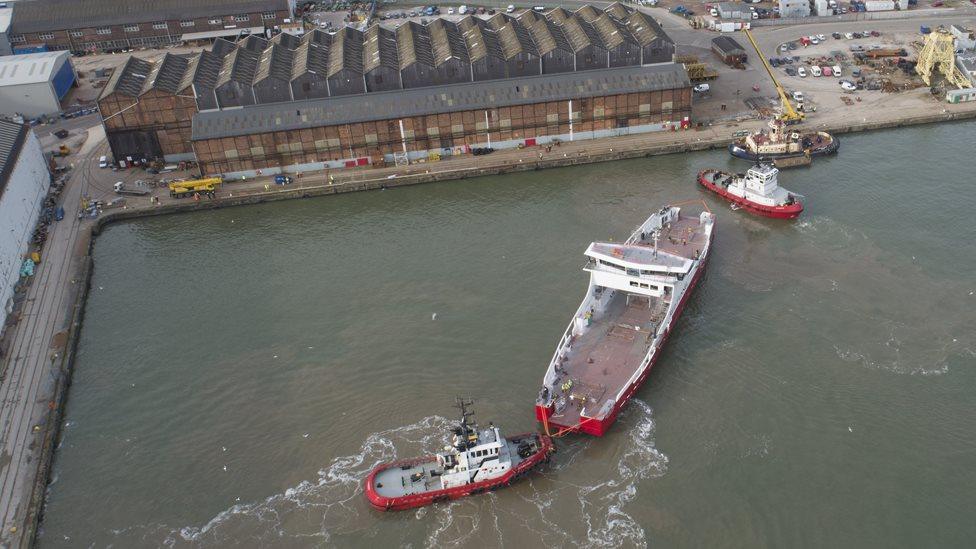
815	71
103	161
462	10
837	71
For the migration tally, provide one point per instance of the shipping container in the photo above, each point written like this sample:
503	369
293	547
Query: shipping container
879	5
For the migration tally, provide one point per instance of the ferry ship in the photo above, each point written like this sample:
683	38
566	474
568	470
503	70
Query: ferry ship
757	191
779	143
637	291
475	462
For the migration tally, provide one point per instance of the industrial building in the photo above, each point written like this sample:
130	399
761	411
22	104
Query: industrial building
110	25
34	84
382	94
417	124
5	16
729	50
794	8
24	181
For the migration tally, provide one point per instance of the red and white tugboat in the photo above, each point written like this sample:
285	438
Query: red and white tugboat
475	462
757	191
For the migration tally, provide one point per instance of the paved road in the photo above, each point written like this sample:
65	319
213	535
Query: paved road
32	365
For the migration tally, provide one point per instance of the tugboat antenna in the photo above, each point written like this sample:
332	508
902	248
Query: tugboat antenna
468	428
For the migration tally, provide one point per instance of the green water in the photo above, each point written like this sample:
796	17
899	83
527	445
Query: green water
240	371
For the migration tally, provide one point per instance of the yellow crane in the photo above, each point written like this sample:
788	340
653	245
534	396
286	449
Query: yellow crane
790	115
939	54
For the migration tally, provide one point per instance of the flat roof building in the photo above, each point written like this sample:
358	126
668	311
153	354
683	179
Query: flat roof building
34	84
106	25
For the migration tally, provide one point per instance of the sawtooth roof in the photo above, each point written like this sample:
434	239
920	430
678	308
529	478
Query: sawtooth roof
423	101
379	48
12	138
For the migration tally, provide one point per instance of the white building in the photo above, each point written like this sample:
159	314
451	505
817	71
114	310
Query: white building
822	8
24	181
5	15
965	38
35	83
794	8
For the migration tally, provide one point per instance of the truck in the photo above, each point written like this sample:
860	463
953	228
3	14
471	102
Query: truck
180	189
120	188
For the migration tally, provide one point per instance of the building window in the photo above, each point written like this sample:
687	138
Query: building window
103	30
242	17
46	36
268	16
131	28
18	39
216	22
76	34
187	23
160	25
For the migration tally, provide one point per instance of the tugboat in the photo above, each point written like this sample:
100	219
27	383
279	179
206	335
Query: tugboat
637	291
758	191
779	143
475	462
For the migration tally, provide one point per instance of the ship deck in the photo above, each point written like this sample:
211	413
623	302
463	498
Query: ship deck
603	359
606	355
684	237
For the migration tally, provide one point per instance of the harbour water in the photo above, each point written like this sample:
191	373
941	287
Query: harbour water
239	371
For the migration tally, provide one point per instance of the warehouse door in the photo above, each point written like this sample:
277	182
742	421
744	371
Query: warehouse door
137	145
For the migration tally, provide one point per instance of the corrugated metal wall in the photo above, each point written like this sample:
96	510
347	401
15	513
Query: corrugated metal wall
63	79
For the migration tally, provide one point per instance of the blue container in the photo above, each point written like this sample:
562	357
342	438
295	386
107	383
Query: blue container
30	49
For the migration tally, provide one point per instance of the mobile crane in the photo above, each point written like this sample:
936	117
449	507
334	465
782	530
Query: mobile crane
789	115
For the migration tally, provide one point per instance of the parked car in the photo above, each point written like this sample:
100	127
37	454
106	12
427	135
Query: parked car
849	35
510	8
815	71
790	71
282	180
827	71
847	85
798	96
836	69
103	161
836	35
801	72
701	88
61	134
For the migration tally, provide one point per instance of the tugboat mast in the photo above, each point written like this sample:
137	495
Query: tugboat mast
467	430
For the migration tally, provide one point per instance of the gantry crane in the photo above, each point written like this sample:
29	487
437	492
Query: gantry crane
789	115
939	54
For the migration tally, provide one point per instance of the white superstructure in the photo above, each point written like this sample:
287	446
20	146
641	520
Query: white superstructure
760	185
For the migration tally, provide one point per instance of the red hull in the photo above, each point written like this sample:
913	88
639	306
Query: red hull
789	211
598	427
383	503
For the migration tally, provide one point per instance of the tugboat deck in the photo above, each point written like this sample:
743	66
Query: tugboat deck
396	481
